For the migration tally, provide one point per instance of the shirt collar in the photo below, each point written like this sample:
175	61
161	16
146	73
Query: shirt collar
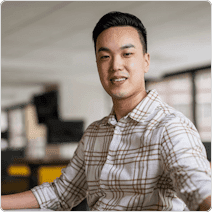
145	107
141	111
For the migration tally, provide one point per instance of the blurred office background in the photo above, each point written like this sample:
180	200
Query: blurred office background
50	89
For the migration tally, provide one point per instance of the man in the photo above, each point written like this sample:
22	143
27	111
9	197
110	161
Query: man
143	156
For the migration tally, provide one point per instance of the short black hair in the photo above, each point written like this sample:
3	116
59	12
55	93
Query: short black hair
115	18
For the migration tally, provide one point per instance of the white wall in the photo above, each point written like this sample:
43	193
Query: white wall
12	95
80	97
83	98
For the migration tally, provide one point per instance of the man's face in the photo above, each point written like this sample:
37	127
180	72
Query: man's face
121	62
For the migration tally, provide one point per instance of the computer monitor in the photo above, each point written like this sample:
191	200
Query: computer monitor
59	132
46	106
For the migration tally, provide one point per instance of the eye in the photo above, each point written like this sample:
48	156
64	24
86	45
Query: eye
128	54
104	57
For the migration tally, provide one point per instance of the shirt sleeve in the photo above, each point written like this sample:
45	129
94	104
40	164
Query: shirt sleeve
184	158
69	189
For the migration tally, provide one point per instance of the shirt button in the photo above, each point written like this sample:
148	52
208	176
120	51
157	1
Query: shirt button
118	131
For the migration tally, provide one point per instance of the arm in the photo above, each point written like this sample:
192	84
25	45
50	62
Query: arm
64	193
184	157
69	189
206	204
19	201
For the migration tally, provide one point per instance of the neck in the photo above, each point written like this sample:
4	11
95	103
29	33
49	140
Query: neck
123	106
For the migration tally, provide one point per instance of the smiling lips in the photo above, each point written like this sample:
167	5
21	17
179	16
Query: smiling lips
118	79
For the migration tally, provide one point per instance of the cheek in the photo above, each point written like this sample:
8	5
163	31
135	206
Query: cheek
137	67
132	68
132	65
100	69
102	75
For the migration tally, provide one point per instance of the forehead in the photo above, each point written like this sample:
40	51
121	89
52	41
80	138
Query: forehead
118	36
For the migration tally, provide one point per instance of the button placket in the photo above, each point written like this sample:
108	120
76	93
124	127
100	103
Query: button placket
109	164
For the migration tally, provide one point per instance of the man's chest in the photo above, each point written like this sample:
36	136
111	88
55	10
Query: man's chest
122	158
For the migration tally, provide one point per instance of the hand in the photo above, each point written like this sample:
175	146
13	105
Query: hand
24	200
206	204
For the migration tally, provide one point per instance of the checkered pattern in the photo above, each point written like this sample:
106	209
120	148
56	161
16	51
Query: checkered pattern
152	159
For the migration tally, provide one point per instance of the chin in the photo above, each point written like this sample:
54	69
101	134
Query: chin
120	95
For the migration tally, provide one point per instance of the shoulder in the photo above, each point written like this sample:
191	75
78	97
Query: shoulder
175	118
171	116
171	123
96	125
178	130
92	130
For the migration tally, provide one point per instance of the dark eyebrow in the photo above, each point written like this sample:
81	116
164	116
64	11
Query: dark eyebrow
127	46
103	49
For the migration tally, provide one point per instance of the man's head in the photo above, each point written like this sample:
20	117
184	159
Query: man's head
114	19
121	59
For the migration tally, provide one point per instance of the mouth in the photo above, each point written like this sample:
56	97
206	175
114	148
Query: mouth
113	80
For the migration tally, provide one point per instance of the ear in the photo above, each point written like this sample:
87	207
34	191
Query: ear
147	62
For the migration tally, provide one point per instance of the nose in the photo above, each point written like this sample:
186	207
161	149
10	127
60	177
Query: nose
116	63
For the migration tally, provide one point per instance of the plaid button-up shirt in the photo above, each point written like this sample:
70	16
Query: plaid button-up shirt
152	159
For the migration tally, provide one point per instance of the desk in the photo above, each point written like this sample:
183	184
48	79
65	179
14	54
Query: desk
34	165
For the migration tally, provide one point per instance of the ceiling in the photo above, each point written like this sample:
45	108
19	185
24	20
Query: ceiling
46	41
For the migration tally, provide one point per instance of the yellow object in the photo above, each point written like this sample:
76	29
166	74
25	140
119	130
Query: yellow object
19	170
49	173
